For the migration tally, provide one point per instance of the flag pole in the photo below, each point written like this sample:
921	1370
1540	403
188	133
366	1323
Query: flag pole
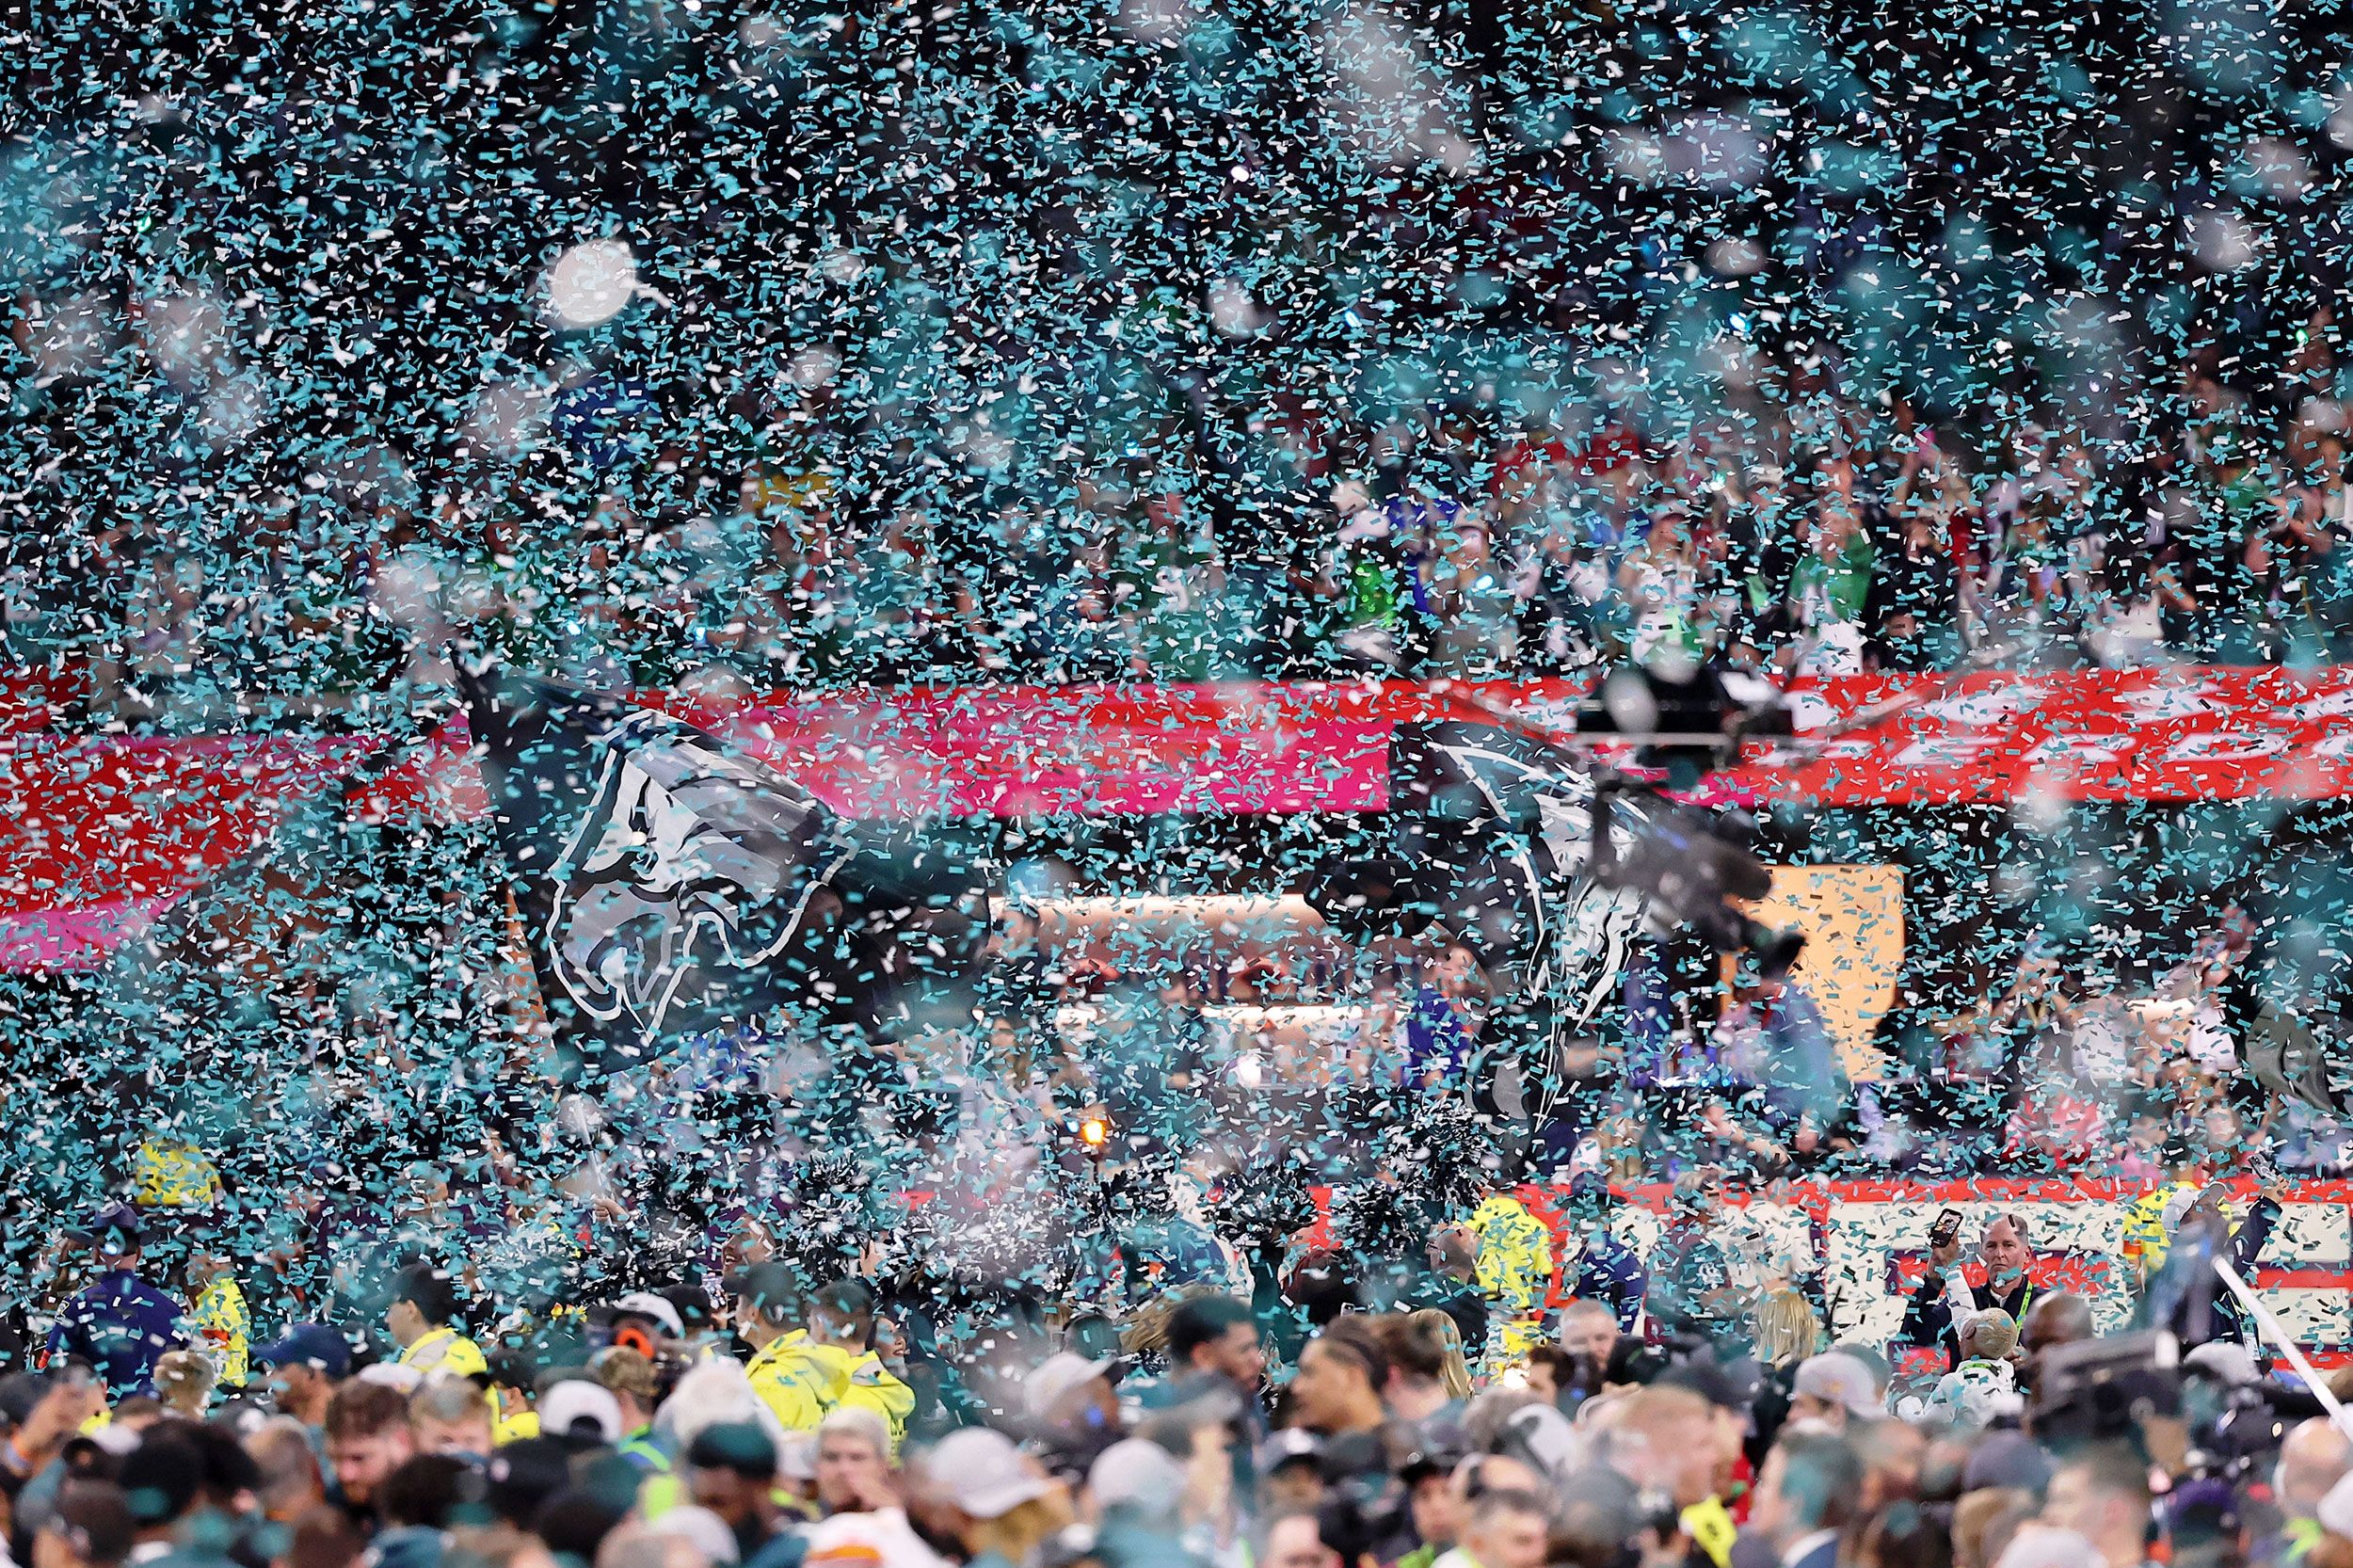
2338	1417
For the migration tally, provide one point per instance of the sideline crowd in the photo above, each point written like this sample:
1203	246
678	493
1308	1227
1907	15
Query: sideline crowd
1414	1417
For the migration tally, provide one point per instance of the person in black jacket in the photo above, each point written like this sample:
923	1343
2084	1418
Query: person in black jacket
1945	1296
2187	1296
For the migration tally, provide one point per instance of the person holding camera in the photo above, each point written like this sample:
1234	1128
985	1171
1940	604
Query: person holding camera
1945	1296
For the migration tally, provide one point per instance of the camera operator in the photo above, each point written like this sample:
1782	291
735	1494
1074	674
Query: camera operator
1945	1296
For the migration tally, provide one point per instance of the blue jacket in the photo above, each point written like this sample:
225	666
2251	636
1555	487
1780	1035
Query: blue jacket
121	1325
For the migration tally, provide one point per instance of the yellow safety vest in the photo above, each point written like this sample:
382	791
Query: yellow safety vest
445	1350
222	1323
1514	1268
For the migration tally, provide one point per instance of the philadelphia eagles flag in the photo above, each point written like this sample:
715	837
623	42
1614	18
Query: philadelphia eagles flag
662	881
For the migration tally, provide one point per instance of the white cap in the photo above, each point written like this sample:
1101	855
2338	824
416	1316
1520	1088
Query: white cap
392	1375
563	1407
1139	1473
699	1529
982	1472
1054	1377
645	1304
1841	1379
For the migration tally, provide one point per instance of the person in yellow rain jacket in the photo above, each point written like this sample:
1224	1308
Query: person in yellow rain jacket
172	1173
421	1318
1514	1269
801	1374
220	1323
2149	1223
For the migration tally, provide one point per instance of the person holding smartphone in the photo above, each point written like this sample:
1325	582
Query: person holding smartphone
1945	1295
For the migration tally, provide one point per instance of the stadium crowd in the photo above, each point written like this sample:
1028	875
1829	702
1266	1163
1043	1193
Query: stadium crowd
766	1416
1800	532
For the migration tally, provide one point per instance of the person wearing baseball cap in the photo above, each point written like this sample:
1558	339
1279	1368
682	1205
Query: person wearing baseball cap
421	1319
581	1413
642	1320
636	1388
305	1363
732	1469
1002	1505
803	1373
1832	1388
1073	1411
119	1324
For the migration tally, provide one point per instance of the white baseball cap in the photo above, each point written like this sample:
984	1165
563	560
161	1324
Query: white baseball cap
645	1304
392	1375
1056	1376
982	1472
564	1407
698	1528
1140	1473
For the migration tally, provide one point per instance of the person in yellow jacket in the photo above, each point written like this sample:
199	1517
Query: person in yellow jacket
1514	1270
801	1374
421	1318
219	1321
2157	1214
172	1173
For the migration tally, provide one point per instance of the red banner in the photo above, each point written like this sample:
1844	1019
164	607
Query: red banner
2192	733
97	833
96	837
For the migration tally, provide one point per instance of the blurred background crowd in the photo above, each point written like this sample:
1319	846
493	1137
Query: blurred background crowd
1207	342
